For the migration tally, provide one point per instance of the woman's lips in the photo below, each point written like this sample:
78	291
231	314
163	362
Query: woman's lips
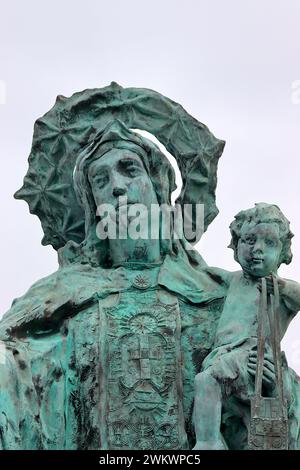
124	205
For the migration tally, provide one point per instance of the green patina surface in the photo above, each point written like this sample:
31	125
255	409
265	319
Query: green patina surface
248	335
103	353
105	366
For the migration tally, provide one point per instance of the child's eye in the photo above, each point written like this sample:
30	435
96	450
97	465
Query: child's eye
270	243
250	241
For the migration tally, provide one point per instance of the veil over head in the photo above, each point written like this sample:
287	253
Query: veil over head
102	117
117	135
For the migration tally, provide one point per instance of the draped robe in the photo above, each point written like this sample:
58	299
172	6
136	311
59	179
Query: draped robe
95	358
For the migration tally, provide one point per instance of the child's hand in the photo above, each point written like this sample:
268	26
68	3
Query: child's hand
270	284
269	377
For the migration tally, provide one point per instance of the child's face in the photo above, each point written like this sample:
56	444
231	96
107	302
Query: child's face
259	249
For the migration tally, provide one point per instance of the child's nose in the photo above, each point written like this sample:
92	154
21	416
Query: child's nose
258	246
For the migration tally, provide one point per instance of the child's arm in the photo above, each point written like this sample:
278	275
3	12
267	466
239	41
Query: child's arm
221	276
290	294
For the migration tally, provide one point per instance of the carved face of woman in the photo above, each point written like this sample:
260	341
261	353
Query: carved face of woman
118	173
259	249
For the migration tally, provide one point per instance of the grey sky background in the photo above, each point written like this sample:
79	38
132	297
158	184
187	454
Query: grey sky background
232	65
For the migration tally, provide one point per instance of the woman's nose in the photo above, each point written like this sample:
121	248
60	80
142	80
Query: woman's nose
118	184
119	191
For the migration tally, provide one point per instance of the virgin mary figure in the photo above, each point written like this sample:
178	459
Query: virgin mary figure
102	354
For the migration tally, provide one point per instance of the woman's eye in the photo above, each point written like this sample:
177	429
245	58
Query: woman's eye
129	167
250	241
131	170
101	182
270	243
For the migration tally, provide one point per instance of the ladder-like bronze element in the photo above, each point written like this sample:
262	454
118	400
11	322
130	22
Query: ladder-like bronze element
268	428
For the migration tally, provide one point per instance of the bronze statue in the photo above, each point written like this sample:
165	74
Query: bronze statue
103	353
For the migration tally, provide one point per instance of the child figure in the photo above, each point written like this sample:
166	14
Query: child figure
261	240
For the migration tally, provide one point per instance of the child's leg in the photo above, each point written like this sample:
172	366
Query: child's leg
207	412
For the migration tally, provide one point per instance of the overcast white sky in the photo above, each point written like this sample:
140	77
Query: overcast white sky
231	64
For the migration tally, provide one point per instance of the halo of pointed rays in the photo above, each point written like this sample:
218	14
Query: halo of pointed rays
72	123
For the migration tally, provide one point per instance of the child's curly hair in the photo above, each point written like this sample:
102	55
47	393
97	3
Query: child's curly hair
263	213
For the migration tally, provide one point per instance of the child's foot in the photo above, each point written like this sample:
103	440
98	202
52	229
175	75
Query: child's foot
209	445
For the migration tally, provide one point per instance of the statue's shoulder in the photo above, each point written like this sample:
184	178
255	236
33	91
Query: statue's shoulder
68	286
29	303
37	291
